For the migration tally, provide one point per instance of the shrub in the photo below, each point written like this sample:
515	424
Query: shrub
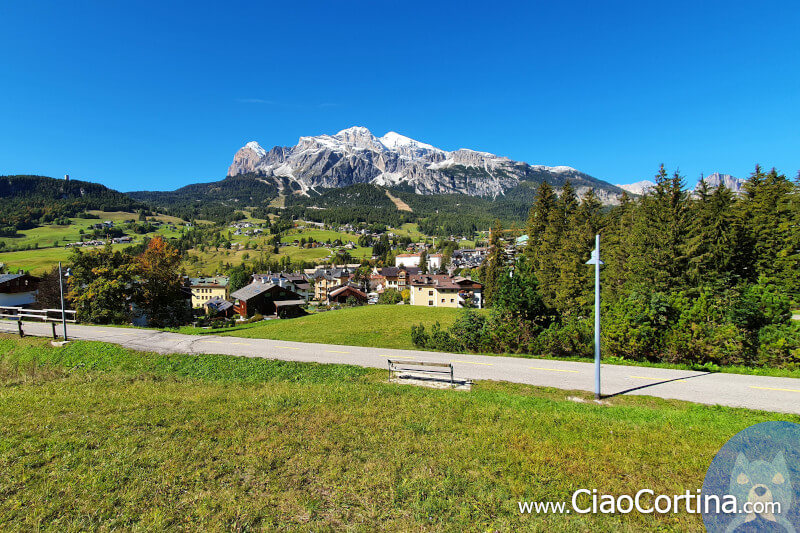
390	297
634	327
779	345
574	338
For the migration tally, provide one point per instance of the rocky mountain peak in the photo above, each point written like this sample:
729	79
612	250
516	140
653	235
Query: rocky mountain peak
355	155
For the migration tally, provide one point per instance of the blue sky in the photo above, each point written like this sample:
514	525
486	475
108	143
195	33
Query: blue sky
156	95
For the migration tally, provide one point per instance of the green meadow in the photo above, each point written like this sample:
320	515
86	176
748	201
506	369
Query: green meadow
380	326
99	437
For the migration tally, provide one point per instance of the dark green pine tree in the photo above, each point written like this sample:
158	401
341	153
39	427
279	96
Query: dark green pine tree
767	216
712	245
573	287
494	265
543	204
658	239
545	256
615	248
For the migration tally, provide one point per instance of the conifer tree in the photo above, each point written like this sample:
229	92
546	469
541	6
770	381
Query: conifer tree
658	240
494	265
545	256
543	204
712	245
615	248
573	282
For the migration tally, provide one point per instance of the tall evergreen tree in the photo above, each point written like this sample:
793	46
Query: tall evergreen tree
544	203
768	220
573	287
712	245
658	241
494	265
615	248
545	256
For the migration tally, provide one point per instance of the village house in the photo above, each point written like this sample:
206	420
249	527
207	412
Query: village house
18	290
406	260
205	289
343	294
327	279
267	299
391	278
441	290
434	261
294	281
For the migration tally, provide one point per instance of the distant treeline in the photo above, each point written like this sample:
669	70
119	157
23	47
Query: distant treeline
219	201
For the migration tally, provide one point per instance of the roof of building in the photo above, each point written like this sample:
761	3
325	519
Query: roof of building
251	291
211	281
5	278
289	303
346	288
444	281
407	255
331	273
9	277
218	303
391	272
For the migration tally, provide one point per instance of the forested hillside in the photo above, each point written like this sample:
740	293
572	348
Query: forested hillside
216	200
28	201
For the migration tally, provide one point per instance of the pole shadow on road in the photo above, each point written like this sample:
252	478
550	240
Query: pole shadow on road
626	391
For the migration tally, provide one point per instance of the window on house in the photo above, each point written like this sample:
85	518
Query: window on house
430	293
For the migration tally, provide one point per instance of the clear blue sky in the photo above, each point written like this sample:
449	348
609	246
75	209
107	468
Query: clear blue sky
155	95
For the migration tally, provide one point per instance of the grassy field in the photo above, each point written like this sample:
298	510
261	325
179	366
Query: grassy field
319	235
42	260
98	437
382	326
45	237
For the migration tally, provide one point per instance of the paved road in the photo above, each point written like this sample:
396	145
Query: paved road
755	392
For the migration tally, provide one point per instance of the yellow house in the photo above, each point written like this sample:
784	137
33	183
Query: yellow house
204	289
327	279
445	291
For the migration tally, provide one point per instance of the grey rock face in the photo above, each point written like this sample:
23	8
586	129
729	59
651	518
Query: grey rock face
355	155
716	179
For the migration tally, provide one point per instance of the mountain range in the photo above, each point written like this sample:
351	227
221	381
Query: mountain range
356	156
712	181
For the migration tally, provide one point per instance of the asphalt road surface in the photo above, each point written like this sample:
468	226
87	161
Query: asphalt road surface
735	390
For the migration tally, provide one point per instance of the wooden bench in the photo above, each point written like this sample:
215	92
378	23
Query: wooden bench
422	369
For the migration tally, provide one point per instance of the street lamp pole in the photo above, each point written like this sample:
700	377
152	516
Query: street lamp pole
595	260
63	309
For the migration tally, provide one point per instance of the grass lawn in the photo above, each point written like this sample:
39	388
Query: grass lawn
99	437
409	229
319	235
121	216
382	326
41	260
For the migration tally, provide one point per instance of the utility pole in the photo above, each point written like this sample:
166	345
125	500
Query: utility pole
595	260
